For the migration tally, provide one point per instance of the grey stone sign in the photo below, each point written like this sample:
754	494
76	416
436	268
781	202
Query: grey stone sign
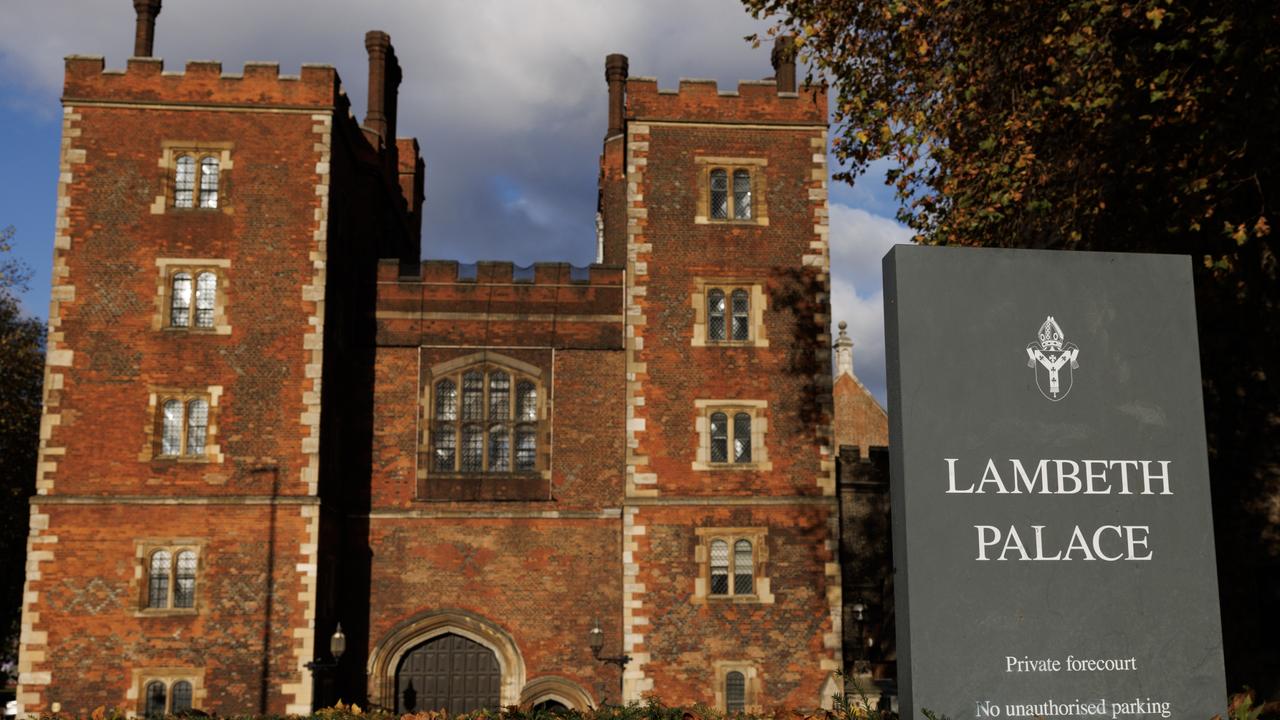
1052	534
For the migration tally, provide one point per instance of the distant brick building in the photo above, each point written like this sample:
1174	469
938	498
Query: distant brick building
265	416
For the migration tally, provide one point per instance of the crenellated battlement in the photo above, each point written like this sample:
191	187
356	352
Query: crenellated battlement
448	272
755	101
202	82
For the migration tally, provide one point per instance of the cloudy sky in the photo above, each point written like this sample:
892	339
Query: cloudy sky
507	99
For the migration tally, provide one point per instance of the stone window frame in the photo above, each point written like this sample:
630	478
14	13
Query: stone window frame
157	397
762	592
167	268
759	205
751	685
485	362
141	677
757	303
170	151
757	409
143	550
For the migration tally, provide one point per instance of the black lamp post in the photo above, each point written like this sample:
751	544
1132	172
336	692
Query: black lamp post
595	638
337	646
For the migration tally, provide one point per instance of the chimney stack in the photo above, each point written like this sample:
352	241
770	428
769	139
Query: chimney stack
784	63
384	86
844	352
615	73
145	35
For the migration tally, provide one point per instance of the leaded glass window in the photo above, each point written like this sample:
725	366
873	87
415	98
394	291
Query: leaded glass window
742	194
206	297
209	182
719	437
184	589
155	704
197	426
158	579
742	568
490	430
741	308
719	567
742	438
181	697
715	315
180	300
735	692
171	428
719	194
184	182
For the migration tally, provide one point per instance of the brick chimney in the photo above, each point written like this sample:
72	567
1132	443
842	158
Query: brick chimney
145	35
615	73
784	63
384	86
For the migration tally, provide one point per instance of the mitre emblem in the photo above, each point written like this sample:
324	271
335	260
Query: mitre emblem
1053	360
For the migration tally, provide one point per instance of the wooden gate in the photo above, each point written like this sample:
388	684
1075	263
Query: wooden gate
448	672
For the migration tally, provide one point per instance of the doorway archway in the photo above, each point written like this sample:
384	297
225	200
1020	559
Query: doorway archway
448	672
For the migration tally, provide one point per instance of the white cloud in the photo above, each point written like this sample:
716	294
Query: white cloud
859	240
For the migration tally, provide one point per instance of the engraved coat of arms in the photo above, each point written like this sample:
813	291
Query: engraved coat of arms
1053	359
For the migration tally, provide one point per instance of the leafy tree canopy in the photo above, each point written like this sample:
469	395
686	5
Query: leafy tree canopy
1139	125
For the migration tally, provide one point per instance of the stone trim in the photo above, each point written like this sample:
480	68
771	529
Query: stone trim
385	656
759	539
170	151
140	584
151	437
641	481
757	409
554	687
313	296
635	618
168	267
752	690
759	202
168	675
757	336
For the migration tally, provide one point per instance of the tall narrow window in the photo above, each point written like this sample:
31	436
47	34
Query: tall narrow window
719	194
443	448
184	182
181	697
184	589
180	300
446	401
206	297
473	396
209	182
472	449
715	315
735	692
499	396
171	428
158	579
742	194
499	448
719	567
527	402
742	568
719	437
155	705
526	449
197	426
741	308
742	438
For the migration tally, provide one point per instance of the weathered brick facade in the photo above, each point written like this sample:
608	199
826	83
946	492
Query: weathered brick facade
420	450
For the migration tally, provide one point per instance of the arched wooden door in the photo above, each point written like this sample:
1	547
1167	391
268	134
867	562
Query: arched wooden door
448	672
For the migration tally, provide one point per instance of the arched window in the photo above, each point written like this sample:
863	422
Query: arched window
719	567
197	426
181	697
741	308
171	430
184	182
206	298
489	431
209	182
719	437
158	579
184	591
742	568
715	314
180	300
735	692
719	194
742	438
155	704
742	194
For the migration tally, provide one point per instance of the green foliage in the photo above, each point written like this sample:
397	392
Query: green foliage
1118	125
21	377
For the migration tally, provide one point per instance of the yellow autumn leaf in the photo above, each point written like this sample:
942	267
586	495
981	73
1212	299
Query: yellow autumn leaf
1156	16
